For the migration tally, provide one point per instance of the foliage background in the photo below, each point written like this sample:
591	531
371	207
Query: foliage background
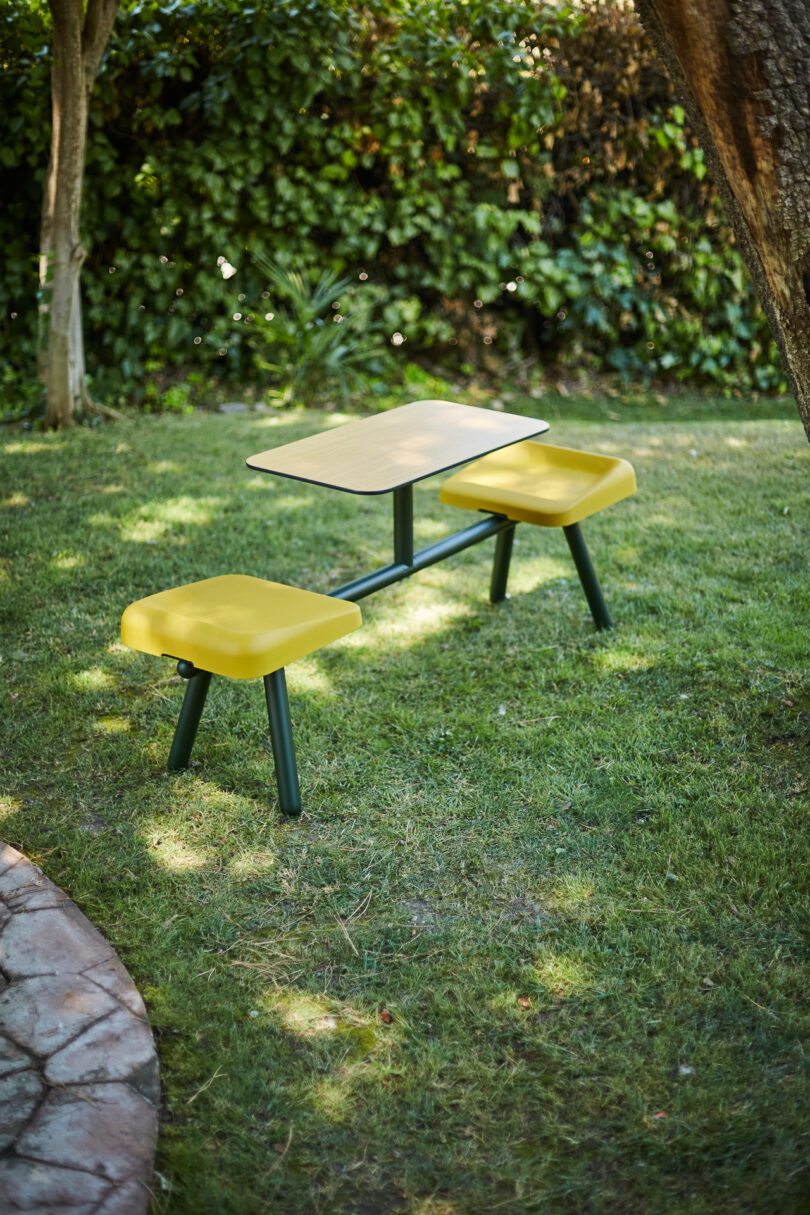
498	180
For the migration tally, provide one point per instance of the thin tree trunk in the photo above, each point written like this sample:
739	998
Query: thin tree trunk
45	249
79	38
742	69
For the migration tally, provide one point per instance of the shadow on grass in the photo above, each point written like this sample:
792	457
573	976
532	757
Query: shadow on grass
501	890
566	866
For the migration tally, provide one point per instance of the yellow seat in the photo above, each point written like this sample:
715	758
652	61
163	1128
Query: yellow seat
241	627
534	482
236	625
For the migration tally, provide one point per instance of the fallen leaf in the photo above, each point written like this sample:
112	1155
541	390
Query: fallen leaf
386	1016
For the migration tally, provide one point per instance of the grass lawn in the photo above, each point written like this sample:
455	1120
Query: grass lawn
571	866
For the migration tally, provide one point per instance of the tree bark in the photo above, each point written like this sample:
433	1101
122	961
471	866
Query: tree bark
742	69
79	37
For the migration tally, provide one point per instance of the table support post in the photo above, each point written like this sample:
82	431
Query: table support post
403	525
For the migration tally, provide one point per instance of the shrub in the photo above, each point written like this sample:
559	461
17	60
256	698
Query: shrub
499	173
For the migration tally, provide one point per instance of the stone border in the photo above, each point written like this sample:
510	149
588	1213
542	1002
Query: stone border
79	1082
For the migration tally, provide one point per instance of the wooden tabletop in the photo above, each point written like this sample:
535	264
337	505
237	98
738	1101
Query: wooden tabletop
396	448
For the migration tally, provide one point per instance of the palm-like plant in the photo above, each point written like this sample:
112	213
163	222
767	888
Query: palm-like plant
306	345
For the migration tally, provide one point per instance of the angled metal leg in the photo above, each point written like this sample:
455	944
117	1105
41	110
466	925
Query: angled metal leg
278	712
587	576
500	565
186	729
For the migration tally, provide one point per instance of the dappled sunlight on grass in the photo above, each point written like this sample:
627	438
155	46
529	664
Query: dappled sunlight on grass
307	676
331	1098
158	467
69	561
252	863
428	530
16	502
173	853
620	659
655	442
283	421
292	500
410	628
669	516
152	521
101	519
609	447
307	1016
30	447
337	419
92	680
528	573
563	975
440	1206
684	440
113	725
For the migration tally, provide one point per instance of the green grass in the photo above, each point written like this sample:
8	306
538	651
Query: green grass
572	866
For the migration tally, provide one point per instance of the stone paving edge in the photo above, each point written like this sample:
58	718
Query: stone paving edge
79	1079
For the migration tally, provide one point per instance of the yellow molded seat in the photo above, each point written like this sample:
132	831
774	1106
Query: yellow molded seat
236	625
241	627
534	482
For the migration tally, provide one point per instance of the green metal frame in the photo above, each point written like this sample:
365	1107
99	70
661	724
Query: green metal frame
278	713
587	576
407	562
281	738
582	560
500	565
193	704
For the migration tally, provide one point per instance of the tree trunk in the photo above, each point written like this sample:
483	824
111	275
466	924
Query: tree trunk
742	68
79	38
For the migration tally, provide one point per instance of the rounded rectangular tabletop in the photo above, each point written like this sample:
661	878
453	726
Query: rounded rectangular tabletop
396	448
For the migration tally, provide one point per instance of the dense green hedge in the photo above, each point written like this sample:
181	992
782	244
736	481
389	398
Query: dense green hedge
507	178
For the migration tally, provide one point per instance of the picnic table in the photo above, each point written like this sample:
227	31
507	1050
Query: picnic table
389	453
241	627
